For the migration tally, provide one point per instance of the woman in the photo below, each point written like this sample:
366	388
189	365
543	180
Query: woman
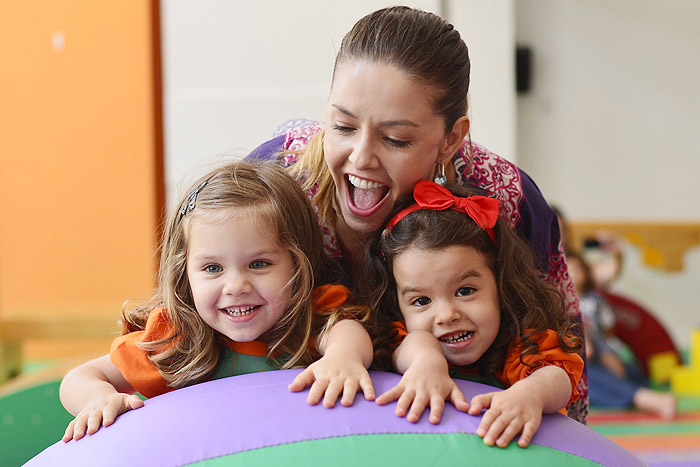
397	113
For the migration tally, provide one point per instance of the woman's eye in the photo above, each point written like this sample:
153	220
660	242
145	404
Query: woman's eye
397	143
421	301
213	268
259	264
465	291
341	129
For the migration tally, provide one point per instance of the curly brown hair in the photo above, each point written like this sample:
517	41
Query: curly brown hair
529	304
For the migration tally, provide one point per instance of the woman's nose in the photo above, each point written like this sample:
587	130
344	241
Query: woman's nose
364	155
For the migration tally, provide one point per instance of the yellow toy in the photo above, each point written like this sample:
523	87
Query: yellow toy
685	380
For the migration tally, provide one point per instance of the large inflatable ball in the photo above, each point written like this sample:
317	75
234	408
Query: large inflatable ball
253	420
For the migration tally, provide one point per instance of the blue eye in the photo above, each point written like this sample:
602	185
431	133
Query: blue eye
465	291
213	268
259	264
421	301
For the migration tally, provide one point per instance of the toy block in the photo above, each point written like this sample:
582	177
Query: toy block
661	365
685	380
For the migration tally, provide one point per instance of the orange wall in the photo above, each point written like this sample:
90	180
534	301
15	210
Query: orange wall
80	188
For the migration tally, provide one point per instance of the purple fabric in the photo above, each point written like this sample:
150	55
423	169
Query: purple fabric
230	415
539	223
266	151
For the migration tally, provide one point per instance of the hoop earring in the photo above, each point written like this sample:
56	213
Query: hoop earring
440	178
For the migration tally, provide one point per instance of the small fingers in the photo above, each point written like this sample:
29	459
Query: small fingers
390	395
510	432
109	414
458	400
68	435
349	392
332	392
367	388
479	403
437	406
94	422
529	431
420	402
318	388
134	402
79	426
302	381
404	402
496	428
486	420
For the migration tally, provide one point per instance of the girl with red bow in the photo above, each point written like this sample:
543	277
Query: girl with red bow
472	305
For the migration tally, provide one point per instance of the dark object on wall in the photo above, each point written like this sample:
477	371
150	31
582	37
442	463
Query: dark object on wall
591	243
523	69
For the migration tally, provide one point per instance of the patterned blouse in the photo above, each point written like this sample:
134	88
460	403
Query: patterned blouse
520	199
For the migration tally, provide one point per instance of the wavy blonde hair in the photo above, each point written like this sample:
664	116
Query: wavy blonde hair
192	352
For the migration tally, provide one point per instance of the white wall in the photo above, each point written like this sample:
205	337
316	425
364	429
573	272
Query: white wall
610	129
233	71
488	28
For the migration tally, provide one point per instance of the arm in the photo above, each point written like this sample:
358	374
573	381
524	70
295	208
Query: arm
519	408
347	353
425	382
96	393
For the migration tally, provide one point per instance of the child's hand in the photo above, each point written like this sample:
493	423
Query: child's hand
332	375
424	384
102	409
508	413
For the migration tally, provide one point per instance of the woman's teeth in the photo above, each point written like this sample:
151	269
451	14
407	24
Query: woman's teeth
458	338
240	311
363	184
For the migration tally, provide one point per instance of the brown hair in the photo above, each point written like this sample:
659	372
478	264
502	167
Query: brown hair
421	44
529	304
192	352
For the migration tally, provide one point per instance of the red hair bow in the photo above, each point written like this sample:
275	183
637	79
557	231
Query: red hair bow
430	195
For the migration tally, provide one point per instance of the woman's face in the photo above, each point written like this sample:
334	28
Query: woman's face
381	137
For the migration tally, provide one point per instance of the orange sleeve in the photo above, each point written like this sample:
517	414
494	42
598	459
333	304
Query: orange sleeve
133	362
550	353
332	296
398	334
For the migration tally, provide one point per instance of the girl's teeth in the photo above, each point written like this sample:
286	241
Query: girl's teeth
239	311
459	338
363	184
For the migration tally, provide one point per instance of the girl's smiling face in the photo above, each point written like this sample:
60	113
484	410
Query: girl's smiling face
381	136
239	274
452	294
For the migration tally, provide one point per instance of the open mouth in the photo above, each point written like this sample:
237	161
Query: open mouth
240	311
366	195
456	337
